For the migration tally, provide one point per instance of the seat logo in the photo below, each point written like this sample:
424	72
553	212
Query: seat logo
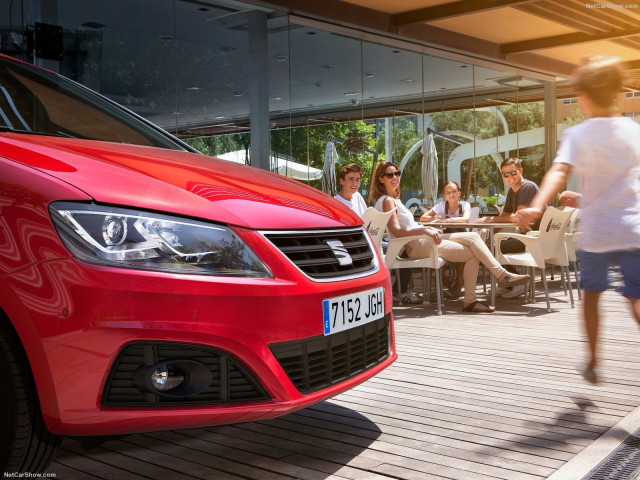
340	252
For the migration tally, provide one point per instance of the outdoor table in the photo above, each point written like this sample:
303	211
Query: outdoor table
490	227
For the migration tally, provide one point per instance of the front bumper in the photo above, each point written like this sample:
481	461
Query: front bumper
82	316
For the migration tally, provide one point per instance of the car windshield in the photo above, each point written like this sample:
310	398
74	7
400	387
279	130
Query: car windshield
34	101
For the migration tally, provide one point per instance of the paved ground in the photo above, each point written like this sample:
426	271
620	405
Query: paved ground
472	396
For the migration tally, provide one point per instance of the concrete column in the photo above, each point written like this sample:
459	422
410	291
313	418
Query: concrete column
388	139
259	89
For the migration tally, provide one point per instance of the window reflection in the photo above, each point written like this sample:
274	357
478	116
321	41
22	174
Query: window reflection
188	71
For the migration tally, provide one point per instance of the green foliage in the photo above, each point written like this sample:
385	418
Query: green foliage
404	136
220	144
307	144
487	124
577	116
490	201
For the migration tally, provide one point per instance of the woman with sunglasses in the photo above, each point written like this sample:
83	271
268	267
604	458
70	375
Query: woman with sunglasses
465	247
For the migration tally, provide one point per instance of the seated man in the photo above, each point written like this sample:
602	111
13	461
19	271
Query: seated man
519	196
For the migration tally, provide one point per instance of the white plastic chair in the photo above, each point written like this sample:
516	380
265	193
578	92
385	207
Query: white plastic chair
548	247
375	222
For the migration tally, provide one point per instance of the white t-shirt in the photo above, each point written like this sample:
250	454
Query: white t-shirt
440	209
356	203
405	217
605	151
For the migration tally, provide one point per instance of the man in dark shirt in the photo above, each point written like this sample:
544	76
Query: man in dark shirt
520	195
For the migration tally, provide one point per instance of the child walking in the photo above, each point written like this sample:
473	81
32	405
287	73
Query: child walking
605	151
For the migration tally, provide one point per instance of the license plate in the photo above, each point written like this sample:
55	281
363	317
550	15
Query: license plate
353	310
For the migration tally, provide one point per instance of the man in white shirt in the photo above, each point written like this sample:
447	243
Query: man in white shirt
350	177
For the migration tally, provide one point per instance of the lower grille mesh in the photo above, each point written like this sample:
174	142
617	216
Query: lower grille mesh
231	381
320	362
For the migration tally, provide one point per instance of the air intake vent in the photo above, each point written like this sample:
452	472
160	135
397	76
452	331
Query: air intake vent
322	361
317	253
231	382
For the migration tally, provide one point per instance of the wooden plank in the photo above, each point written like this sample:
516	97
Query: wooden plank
471	397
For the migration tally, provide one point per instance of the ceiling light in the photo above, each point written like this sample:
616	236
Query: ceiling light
276	99
407	80
219	117
194	88
370	74
282	58
350	94
166	38
327	67
237	94
227	49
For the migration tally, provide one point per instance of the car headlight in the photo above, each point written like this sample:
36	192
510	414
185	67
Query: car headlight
128	238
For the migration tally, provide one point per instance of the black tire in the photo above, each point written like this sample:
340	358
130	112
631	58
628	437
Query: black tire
25	443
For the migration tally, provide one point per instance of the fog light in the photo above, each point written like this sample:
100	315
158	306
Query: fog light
173	378
166	377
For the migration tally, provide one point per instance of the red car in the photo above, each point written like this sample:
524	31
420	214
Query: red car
145	286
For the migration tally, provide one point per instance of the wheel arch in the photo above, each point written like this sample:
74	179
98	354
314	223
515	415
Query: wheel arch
13	312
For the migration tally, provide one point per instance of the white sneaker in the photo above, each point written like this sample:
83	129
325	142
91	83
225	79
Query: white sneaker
515	292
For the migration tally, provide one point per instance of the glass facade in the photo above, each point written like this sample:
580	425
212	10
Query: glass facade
190	67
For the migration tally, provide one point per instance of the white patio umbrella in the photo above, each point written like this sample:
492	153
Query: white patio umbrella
329	169
429	170
288	168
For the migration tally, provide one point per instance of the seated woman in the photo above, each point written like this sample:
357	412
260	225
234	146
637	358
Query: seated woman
466	247
456	211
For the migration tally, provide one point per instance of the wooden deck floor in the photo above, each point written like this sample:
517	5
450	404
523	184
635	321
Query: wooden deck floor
471	397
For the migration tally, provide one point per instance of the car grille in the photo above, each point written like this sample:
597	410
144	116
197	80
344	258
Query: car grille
322	361
232	382
311	253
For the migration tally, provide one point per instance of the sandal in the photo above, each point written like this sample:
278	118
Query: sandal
513	279
478	307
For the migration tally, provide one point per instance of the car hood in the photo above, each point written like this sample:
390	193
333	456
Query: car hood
182	183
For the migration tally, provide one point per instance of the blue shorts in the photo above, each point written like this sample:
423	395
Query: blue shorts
594	269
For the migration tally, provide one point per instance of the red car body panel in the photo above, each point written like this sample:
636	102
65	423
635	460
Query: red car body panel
183	183
73	318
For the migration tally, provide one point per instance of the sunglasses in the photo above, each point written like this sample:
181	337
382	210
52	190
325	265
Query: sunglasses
397	173
512	173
